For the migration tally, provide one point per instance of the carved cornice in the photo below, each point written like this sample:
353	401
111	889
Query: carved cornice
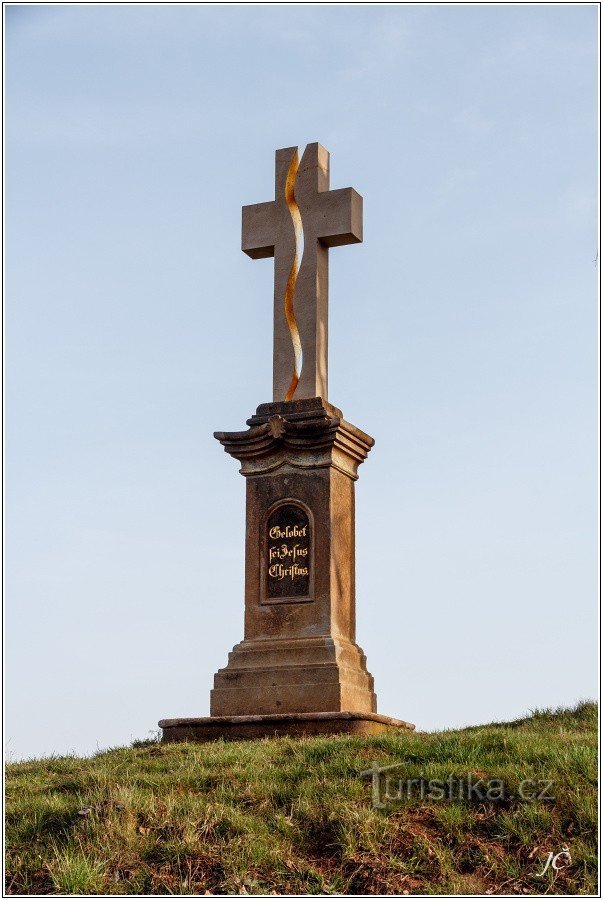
305	434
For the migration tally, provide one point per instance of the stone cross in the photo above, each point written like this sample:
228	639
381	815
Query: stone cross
304	213
298	669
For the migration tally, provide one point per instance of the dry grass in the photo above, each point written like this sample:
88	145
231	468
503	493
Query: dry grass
294	816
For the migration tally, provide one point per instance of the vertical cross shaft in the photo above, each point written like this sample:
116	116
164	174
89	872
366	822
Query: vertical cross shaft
304	209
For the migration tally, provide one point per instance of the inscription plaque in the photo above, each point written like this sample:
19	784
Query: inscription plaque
288	558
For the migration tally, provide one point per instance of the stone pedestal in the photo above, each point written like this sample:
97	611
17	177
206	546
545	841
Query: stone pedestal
300	460
298	669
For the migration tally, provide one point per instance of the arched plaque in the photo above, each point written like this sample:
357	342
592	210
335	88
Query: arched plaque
288	557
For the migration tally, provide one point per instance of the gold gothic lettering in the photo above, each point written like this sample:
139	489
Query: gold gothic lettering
287	532
287	553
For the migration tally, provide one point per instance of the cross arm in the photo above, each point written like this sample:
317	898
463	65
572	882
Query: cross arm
258	232
339	217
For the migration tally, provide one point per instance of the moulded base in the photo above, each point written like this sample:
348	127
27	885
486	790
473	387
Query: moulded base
237	728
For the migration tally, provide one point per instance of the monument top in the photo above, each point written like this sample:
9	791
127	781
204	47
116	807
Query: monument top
297	228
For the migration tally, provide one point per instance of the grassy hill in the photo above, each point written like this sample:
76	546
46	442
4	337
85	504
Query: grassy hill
295	816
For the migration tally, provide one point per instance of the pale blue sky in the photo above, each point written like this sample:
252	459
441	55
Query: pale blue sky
463	338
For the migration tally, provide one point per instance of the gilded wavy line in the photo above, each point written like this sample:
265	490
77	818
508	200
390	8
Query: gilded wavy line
292	279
